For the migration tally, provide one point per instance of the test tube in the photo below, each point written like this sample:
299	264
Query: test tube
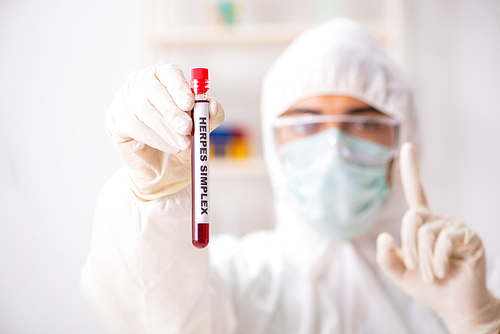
200	159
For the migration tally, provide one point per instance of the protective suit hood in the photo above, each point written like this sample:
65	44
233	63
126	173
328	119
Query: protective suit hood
336	58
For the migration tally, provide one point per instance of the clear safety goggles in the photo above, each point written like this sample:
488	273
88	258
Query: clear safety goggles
361	139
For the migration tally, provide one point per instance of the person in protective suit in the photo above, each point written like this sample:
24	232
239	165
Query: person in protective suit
336	111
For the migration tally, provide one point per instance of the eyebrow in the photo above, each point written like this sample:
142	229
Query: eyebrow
361	110
354	111
302	111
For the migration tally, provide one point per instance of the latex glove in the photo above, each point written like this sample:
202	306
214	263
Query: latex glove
441	262
150	124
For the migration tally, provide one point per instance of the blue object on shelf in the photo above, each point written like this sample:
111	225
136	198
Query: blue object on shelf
219	139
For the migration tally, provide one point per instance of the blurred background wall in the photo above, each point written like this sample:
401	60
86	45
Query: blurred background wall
62	61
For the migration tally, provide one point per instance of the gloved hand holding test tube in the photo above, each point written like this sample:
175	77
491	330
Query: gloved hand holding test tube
150	126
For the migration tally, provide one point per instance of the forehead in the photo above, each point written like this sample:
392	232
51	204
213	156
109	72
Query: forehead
329	104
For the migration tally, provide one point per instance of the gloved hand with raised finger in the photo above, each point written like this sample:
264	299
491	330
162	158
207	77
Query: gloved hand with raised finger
150	124
441	262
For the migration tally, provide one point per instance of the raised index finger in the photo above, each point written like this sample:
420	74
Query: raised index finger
410	177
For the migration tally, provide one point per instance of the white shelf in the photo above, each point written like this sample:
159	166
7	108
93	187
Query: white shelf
254	167
242	35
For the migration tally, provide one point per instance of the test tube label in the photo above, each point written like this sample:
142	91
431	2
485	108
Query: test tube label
201	155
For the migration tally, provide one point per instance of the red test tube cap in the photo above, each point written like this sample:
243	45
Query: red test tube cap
199	74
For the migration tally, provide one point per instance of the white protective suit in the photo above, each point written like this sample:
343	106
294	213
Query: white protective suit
144	276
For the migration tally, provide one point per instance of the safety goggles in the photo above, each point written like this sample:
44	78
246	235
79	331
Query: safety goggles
360	139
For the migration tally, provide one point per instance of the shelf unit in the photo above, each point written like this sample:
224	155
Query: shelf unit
158	37
260	35
157	34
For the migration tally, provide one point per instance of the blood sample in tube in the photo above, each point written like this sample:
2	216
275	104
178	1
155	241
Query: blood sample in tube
200	158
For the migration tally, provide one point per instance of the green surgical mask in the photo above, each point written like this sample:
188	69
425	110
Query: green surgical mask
339	199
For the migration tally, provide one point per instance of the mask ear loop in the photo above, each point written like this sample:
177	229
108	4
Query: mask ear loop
277	147
393	178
